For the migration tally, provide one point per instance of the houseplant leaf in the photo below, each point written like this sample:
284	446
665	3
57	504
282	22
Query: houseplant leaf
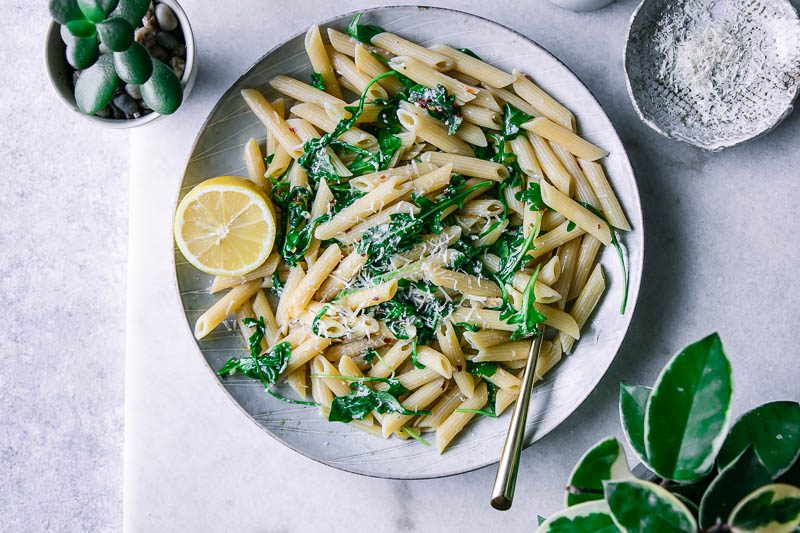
641	506
131	10
96	10
733	483
588	517
82	52
133	65
116	33
688	412
603	462
96	86
774	508
162	92
81	28
632	408
64	11
773	429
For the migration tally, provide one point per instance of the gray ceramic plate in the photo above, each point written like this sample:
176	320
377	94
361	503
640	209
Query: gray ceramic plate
218	151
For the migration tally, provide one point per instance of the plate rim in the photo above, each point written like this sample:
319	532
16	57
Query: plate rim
633	289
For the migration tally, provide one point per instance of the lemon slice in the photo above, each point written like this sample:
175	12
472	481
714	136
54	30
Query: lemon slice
225	226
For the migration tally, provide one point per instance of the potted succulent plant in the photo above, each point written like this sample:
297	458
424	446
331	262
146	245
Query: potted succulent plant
120	62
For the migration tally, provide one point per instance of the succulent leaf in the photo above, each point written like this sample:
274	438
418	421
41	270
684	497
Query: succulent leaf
96	86
64	11
163	92
81	28
133	65
83	52
96	10
131	10
116	33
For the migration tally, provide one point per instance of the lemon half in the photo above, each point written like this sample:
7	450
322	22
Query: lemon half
225	226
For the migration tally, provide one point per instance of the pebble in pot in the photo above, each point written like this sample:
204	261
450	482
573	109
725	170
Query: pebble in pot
165	17
126	104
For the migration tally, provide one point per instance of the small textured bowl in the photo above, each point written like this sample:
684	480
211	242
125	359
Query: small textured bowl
713	73
61	73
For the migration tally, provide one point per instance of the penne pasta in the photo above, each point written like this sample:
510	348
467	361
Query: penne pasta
492	76
572	142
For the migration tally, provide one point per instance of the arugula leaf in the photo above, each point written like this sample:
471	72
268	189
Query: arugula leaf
414	434
369	355
317	82
296	230
381	242
315	159
489	410
511	262
315	322
469	53
269	159
266	367
367	161
438	104
414	304
513	119
414	354
528	317
620	254
532	196
290	400
467	326
363	32
277	285
259	332
363	400
570	226
483	368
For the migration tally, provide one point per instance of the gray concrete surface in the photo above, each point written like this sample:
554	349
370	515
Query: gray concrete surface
721	254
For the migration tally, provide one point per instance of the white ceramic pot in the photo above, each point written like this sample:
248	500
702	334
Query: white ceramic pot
61	73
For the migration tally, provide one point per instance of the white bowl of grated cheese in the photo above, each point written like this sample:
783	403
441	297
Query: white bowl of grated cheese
713	73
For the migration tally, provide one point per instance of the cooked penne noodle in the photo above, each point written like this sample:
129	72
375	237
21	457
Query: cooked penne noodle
402	47
265	270
572	210
481	116
431	131
568	255
356	79
281	159
435	360
456	422
313	279
420	399
368	182
486	338
468	166
444	406
307	350
585	303
554	238
282	313
503	399
590	246
223	307
465	283
504	380
323	202
342	42
448	343
270	142
490	237
550	271
510	351
254	163
372	202
540	100
347	269
371	296
274	123
391	360
526	157
425	75
583	191
297	380
551	220
318	56
552	167
572	142
492	76
263	309
371	66
508	97
609	204
317	116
